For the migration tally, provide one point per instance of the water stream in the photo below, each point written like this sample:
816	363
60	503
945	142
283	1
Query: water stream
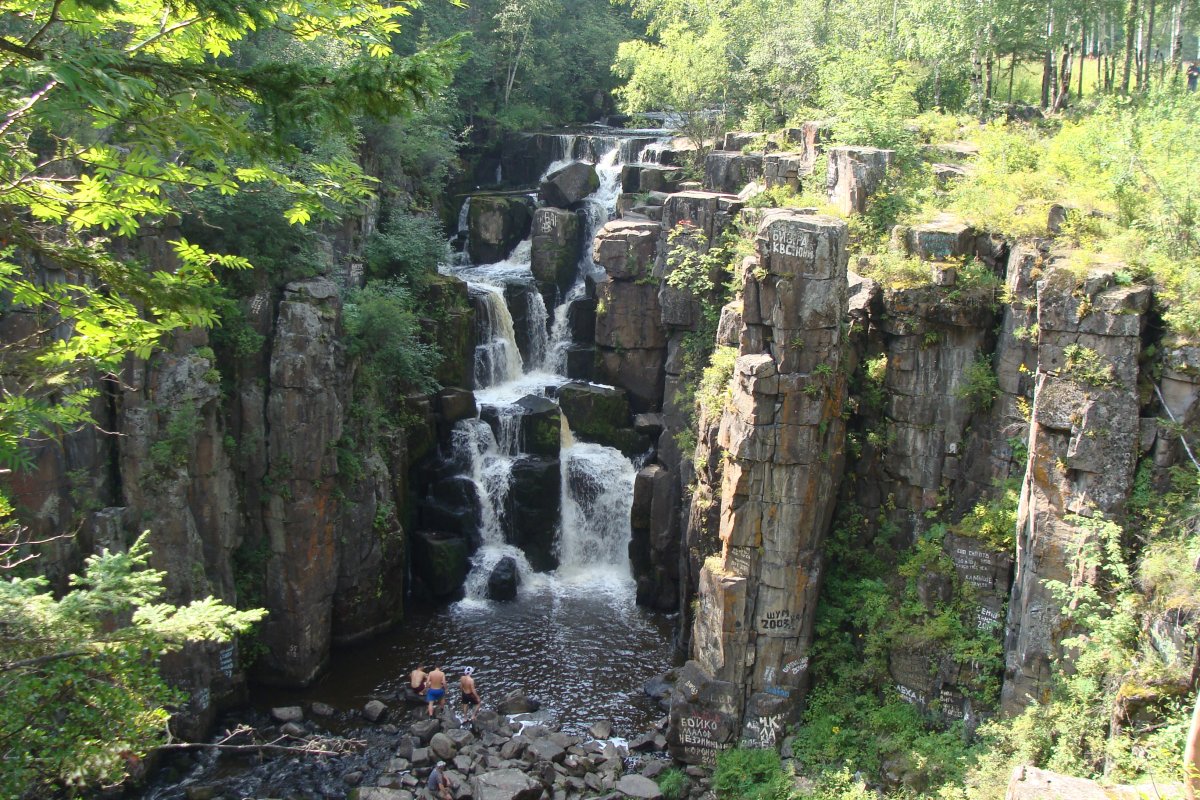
574	637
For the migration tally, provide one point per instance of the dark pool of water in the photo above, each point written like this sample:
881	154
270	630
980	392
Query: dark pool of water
583	648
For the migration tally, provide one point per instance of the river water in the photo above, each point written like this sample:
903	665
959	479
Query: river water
582	648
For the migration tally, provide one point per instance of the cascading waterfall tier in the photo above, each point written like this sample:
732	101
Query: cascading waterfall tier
595	482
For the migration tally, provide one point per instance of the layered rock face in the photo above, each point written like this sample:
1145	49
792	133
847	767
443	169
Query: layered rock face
1084	443
784	436
854	173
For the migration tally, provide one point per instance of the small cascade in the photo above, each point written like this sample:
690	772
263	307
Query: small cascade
464	214
491	461
597	487
560	331
539	336
497	359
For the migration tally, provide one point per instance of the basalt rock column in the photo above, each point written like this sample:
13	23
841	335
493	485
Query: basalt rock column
784	438
1084	441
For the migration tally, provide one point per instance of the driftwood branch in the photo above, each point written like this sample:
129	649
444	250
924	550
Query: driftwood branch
282	745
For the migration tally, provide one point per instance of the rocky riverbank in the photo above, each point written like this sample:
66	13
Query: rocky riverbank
386	750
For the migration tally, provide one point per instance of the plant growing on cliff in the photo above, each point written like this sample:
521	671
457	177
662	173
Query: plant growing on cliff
81	698
384	333
980	386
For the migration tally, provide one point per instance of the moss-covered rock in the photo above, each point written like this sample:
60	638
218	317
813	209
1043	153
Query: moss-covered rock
440	561
600	414
496	224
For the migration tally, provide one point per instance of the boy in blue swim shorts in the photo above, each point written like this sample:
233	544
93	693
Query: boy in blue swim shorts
436	693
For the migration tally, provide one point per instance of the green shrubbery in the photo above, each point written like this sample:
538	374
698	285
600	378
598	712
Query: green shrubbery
383	331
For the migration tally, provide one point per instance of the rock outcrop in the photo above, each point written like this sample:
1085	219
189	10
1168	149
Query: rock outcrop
854	174
784	435
496	224
1084	443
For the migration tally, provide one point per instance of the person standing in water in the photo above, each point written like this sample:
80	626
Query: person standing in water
436	691
470	694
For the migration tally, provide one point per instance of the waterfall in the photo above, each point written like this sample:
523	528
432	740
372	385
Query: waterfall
597	491
491	466
463	214
539	336
497	359
601	204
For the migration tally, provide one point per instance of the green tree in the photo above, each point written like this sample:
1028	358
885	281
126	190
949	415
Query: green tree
81	698
112	113
115	116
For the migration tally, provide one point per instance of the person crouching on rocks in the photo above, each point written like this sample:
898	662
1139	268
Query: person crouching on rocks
418	680
470	694
436	691
438	784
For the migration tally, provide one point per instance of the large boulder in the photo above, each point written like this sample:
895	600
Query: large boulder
505	784
942	239
660	179
517	702
785	169
598	414
565	188
541	426
440	560
495	225
532	509
628	316
730	171
557	245
854	175
638	372
638	786
626	249
503	581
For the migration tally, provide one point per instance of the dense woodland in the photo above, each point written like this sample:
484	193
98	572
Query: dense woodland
126	119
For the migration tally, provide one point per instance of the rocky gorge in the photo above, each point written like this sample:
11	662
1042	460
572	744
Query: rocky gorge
572	436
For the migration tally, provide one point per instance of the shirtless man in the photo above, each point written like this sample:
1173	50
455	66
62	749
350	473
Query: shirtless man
470	695
417	679
436	693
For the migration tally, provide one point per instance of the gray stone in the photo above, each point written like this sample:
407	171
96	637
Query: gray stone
425	729
545	750
729	172
854	174
374	710
443	747
322	710
503	581
601	729
626	249
505	784
638	786
287	714
496	224
377	793
293	729
566	187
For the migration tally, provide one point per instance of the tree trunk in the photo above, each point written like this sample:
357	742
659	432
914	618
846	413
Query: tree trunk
1191	756
1012	71
1082	56
1147	46
1048	59
1064	82
988	77
1177	38
1131	21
